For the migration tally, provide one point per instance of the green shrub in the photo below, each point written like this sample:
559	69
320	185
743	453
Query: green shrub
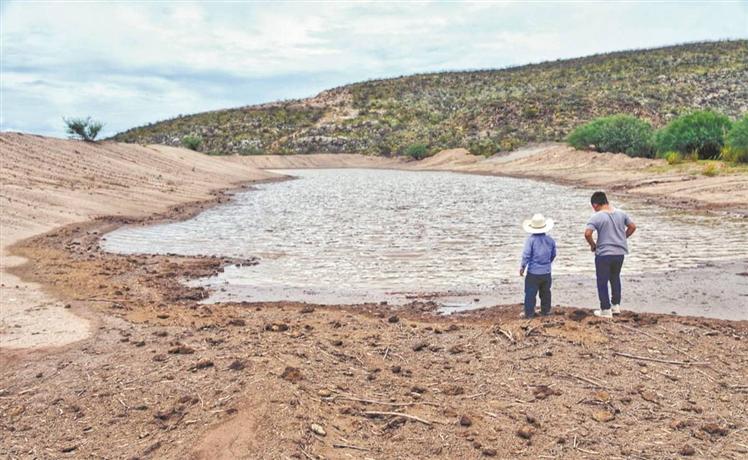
250	150
417	151
617	134
485	147
736	149
509	143
702	132
82	128
673	158
192	141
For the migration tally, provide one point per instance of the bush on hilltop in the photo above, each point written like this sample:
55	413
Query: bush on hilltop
192	141
84	129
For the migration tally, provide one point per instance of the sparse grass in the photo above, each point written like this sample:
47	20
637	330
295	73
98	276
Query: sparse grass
710	170
533	103
698	167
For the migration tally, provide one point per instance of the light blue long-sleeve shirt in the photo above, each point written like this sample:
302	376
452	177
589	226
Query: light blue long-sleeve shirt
539	253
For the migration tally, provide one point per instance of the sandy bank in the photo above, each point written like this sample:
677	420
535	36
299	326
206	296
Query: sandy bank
47	183
638	177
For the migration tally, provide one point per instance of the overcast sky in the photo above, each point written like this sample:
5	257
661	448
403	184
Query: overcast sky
129	63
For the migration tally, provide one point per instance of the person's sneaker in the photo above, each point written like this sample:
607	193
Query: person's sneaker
603	313
615	309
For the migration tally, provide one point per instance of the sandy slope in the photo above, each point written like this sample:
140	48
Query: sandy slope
50	182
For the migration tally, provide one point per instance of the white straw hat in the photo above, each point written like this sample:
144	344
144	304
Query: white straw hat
538	224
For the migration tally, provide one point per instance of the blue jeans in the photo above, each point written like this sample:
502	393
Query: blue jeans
608	270
535	284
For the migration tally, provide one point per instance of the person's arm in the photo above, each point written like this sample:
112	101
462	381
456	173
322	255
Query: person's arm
526	255
553	251
590	240
630	226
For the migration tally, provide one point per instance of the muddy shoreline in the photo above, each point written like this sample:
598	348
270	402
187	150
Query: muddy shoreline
164	376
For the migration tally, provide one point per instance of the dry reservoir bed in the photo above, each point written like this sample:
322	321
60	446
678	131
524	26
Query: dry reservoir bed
167	377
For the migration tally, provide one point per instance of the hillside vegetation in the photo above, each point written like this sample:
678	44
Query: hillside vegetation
484	111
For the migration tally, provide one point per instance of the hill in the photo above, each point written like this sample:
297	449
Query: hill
481	110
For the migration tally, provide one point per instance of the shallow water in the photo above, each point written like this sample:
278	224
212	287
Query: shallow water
351	235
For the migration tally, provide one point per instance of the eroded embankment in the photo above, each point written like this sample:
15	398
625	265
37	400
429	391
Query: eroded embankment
167	377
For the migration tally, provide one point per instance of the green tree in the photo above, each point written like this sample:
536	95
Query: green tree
702	132
82	128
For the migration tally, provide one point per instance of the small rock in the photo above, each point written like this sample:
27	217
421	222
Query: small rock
418	346
291	374
237	322
713	428
393	319
603	416
602	396
276	327
140	343
325	393
337	343
455	349
526	432
67	449
465	421
181	349
202	364
489	452
237	365
687	451
648	395
396	369
307	309
454	390
317	429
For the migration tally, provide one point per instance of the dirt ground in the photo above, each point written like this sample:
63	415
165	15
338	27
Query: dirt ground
160	375
167	377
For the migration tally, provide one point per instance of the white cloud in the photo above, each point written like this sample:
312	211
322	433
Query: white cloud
132	62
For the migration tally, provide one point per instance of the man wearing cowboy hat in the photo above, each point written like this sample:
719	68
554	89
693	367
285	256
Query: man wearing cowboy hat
537	257
613	228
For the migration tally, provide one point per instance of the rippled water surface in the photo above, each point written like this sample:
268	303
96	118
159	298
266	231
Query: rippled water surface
364	233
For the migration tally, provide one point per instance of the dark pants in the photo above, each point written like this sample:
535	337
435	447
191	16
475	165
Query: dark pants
535	284
608	270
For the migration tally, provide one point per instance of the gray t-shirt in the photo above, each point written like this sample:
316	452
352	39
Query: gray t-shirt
611	232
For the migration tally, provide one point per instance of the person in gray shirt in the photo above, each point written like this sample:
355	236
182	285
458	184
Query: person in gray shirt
613	228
